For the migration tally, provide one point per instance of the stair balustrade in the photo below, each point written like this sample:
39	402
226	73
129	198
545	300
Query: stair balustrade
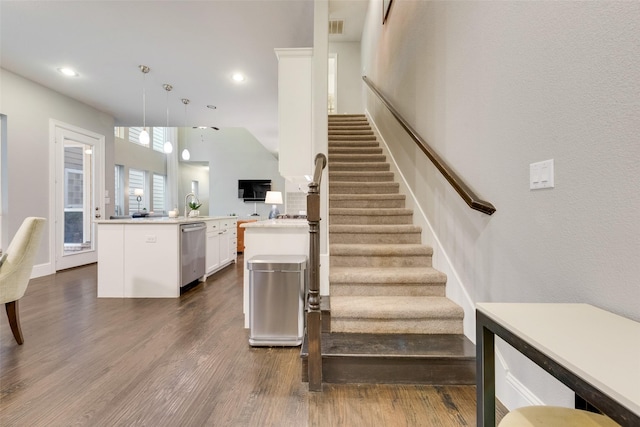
461	187
314	315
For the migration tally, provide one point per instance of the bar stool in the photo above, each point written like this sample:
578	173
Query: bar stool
554	416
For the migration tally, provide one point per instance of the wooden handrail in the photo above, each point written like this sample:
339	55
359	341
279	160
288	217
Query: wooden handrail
467	194
314	315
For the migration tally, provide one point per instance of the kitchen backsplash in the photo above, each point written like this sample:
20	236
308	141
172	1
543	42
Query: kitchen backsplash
296	202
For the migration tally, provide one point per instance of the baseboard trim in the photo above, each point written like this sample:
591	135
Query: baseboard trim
40	270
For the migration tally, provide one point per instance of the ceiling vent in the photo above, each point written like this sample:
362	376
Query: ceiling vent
336	26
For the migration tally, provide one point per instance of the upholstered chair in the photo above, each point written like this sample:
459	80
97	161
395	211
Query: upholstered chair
15	269
553	416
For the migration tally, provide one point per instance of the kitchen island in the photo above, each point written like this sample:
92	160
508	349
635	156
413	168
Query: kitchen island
141	257
272	237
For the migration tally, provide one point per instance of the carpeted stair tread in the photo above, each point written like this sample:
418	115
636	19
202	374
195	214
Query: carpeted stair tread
367	201
351	158
354	150
346	116
365	197
371	216
354	187
359	166
396	314
375	233
375	229
369	212
355	249
350	131
335	129
361	176
351	138
400	307
386	275
353	144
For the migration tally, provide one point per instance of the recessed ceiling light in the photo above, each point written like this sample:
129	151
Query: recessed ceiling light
68	72
237	77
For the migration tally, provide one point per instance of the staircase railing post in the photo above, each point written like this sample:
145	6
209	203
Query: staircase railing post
314	315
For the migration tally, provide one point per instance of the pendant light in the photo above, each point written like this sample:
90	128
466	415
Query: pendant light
168	146
185	153
144	135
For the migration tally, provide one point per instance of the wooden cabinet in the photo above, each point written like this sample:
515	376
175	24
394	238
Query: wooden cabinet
240	234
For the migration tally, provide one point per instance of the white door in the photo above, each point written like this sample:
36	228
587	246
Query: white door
78	197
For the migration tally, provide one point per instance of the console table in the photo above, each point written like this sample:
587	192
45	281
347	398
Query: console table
594	352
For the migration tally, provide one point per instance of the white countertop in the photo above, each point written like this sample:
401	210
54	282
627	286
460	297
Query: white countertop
161	220
277	223
601	347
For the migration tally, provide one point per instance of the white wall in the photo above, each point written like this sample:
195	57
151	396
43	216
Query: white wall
29	107
349	77
189	172
493	87
232	154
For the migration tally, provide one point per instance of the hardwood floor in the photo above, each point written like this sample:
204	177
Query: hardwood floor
180	362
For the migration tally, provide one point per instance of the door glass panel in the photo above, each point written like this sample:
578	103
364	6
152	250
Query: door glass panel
78	197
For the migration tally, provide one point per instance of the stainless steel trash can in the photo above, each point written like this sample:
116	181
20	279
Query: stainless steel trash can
277	285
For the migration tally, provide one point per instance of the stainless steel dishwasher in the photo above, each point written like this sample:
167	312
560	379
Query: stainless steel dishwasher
192	252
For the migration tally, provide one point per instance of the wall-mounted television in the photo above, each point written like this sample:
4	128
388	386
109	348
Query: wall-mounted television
253	190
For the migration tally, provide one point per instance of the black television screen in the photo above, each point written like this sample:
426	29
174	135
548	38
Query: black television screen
253	190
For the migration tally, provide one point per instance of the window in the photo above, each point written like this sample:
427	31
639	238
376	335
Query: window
159	190
159	138
134	135
118	132
136	181
119	190
195	187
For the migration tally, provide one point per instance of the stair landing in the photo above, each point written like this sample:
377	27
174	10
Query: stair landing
394	359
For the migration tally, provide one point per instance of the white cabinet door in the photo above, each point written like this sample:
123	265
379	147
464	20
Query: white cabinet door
213	251
213	246
233	241
225	255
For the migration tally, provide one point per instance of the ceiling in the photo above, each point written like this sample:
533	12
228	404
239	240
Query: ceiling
193	45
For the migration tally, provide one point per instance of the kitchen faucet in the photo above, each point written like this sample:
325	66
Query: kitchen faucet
186	203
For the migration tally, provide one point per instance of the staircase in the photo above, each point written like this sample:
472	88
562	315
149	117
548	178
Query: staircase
390	321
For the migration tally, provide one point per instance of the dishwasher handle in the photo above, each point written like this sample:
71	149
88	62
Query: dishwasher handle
194	227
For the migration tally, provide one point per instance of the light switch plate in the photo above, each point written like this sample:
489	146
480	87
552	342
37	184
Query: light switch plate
541	175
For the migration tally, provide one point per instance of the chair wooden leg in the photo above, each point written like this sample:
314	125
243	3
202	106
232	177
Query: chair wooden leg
14	320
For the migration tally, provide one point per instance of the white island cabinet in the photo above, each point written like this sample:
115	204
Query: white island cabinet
140	258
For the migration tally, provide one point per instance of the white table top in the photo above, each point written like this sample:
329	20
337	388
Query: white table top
154	220
278	223
601	347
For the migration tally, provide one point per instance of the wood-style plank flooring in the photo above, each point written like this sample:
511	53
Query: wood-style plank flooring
180	362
